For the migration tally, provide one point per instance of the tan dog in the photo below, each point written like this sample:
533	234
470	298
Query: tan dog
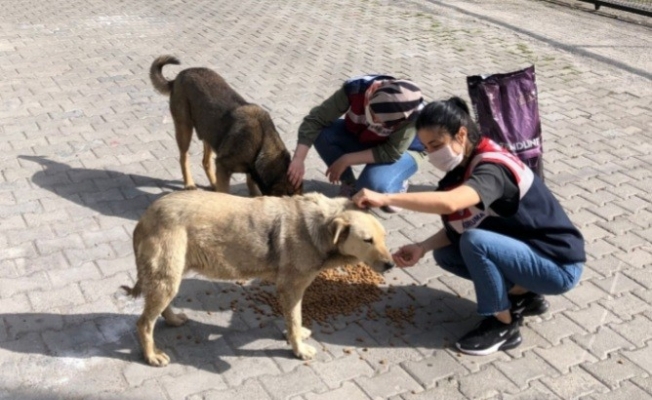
242	135
285	240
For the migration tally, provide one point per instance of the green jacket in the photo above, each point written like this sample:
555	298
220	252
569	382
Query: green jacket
334	107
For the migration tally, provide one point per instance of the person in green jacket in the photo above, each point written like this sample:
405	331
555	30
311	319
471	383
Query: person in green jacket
377	131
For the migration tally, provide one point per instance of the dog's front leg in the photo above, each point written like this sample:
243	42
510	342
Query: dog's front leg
254	191
222	178
290	298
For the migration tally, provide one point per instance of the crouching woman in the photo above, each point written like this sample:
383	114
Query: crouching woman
503	228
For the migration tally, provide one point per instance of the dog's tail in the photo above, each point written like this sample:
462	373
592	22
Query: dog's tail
156	74
134	291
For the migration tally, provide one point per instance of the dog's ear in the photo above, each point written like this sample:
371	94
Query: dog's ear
340	229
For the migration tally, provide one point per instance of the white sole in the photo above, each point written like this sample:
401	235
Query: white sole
489	350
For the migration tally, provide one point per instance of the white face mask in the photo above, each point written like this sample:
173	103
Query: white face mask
445	159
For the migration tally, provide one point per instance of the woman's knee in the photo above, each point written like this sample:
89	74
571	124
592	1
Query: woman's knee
385	180
329	134
323	140
572	274
473	240
377	185
451	261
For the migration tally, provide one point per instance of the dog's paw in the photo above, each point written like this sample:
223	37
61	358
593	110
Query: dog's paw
305	352
190	187
158	359
175	319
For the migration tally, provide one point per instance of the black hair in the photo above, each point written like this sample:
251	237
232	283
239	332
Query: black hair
451	115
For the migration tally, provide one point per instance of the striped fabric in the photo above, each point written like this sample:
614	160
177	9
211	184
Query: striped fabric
394	101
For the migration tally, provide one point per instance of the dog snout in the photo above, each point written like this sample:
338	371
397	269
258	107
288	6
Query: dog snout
382	266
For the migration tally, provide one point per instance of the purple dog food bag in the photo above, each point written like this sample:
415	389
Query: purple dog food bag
507	109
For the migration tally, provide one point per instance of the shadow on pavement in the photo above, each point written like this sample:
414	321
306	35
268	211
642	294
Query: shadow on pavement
115	193
223	325
107	192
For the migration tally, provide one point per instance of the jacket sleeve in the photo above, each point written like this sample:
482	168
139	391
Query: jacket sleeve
322	116
396	145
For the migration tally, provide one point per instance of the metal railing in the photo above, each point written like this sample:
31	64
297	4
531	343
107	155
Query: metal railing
642	7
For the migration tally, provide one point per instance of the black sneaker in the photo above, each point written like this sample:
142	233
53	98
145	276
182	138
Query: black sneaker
491	335
528	304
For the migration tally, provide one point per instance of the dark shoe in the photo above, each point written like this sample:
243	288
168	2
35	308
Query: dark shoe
390	209
393	209
346	190
528	304
491	335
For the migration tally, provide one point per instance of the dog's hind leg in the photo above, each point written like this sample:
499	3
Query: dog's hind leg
156	300
172	318
290	296
158	296
209	166
183	134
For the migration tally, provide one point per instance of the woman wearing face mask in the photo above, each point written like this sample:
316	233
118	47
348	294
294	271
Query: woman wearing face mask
503	228
377	131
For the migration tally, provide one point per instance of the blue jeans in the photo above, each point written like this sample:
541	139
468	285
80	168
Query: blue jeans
496	262
334	141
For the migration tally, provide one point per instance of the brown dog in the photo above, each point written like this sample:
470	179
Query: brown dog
242	135
285	240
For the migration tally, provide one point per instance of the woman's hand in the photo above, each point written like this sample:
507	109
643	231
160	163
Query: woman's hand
335	171
296	170
408	255
366	198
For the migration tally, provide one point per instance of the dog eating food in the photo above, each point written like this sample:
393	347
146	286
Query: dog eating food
284	240
242	135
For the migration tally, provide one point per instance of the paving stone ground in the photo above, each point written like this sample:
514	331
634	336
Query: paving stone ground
87	145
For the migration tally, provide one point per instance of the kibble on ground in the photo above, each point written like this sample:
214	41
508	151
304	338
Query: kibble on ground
343	291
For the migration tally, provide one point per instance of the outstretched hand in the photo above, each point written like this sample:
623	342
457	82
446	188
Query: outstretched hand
366	198
408	255
335	171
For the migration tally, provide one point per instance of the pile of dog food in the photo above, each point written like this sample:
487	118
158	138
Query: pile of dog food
344	291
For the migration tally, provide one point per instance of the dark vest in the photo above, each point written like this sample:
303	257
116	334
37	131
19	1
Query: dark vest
540	221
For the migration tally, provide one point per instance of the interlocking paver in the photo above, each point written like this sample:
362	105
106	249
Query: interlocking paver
348	391
614	370
565	356
641	357
395	381
34	282
603	342
584	294
486	383
592	317
251	389
524	370
302	380
194	380
88	145
244	368
574	385
337	371
627	391
625	306
432	369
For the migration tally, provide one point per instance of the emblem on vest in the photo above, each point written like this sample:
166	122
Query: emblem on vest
466	219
